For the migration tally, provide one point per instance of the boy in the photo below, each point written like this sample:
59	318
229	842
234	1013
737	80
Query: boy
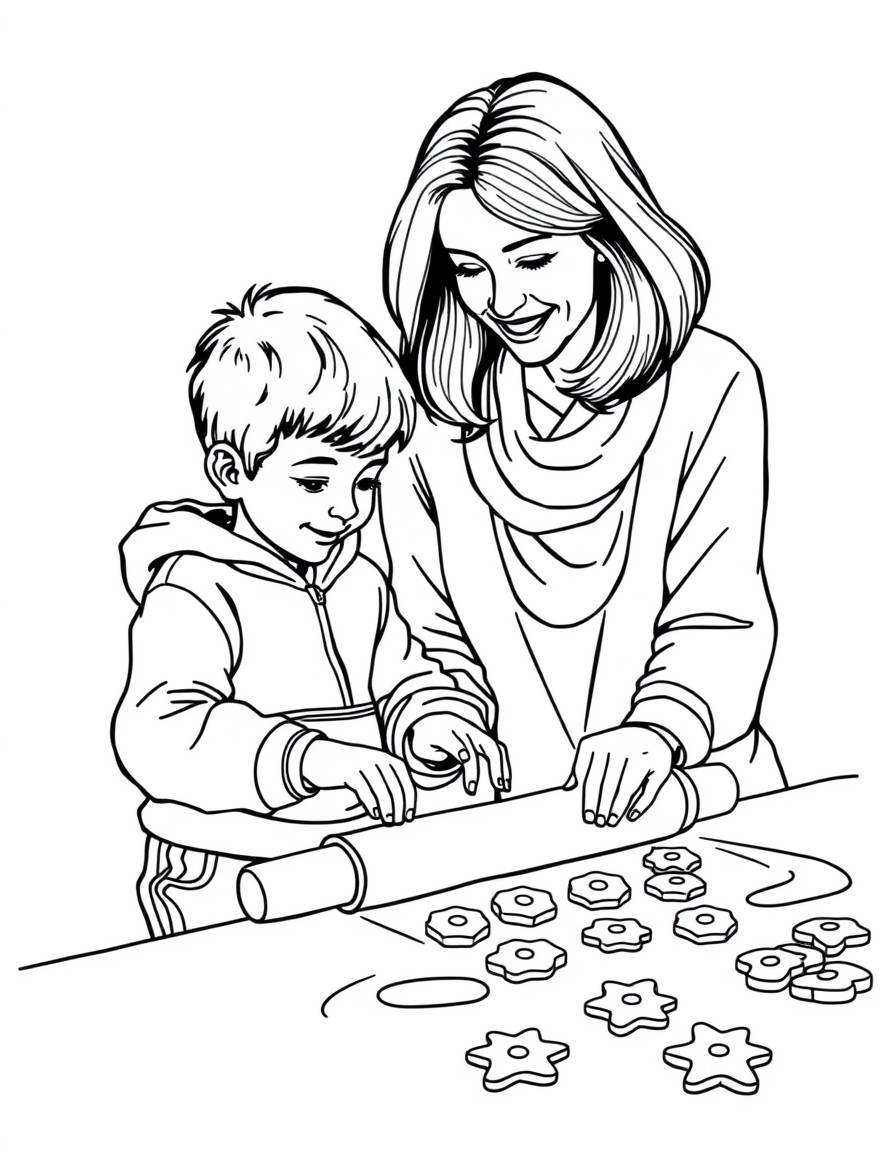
270	672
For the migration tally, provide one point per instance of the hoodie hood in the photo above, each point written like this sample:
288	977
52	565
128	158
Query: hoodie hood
188	527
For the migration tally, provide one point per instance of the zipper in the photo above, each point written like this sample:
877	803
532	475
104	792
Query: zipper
319	600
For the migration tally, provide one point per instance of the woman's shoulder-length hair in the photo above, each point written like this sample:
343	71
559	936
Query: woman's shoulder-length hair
540	156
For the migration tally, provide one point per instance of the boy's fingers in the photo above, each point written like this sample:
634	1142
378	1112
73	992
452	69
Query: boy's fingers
380	784
406	785
614	767
366	795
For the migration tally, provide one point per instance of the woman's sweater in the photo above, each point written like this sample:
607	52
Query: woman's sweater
680	638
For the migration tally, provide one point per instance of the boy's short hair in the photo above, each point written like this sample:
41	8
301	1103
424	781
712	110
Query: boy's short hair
295	361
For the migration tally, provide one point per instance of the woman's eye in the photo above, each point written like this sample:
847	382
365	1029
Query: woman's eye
468	270
368	484
533	262
310	485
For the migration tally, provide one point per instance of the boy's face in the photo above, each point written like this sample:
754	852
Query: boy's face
307	496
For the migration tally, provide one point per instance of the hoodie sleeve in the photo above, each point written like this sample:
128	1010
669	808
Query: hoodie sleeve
180	733
715	635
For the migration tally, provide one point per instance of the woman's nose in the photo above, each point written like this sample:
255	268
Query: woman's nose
507	297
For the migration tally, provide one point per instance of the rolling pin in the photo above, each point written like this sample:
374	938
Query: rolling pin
384	865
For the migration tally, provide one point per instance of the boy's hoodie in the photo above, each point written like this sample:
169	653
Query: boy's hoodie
239	661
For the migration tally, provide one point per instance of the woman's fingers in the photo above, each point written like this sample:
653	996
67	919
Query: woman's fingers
630	785
386	787
651	791
614	770
585	771
469	757
504	783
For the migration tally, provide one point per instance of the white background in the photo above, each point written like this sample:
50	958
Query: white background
160	159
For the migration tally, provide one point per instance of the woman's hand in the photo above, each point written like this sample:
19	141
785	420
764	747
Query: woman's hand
621	772
443	737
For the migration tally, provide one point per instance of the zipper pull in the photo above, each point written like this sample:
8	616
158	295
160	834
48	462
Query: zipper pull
317	594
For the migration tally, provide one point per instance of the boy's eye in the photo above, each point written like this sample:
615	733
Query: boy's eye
368	484
310	484
533	262
468	270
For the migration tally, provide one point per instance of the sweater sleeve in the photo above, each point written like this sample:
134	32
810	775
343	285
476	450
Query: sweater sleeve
408	685
413	554
180	733
715	635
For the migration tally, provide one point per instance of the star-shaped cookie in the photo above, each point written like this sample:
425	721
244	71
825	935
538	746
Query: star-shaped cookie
627	1007
718	1059
517	1058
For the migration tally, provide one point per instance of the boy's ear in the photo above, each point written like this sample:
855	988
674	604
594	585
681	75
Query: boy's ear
224	468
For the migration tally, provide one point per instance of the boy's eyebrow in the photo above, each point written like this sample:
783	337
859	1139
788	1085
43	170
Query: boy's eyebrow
526	240
313	460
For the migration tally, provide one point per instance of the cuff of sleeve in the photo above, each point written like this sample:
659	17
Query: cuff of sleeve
675	745
278	777
689	725
427	701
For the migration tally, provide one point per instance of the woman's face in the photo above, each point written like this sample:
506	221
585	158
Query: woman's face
534	289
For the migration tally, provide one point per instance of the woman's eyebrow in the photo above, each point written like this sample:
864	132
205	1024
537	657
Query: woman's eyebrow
526	240
461	252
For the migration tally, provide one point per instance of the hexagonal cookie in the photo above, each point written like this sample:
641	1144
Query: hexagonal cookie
832	934
616	935
813	959
599	890
704	924
675	886
672	859
769	969
523	905
837	983
457	927
520	960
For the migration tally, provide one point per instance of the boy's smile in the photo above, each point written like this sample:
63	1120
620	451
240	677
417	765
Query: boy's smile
306	496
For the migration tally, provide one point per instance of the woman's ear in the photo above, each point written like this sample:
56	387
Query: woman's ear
225	469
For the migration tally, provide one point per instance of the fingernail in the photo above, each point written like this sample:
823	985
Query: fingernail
463	755
634	815
600	821
376	813
471	788
410	813
589	817
613	821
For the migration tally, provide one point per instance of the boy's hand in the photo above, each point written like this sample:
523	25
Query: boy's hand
621	772
443	736
381	782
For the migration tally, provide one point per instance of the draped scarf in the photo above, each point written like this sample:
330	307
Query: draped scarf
561	505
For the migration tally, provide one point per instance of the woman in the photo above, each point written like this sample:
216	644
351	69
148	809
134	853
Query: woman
576	529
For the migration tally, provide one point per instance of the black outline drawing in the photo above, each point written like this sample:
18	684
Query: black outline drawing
344	988
626	1008
791	877
572	585
734	1071
466	981
532	1060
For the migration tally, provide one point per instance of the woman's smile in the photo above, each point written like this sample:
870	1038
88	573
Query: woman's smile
533	289
522	329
